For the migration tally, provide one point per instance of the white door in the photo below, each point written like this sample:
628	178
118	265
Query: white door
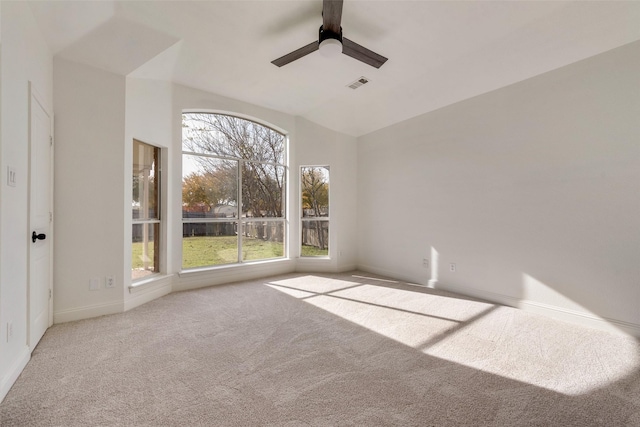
40	221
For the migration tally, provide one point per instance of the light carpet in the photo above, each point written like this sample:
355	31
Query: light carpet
326	350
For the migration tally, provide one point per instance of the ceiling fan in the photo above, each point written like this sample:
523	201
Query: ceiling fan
330	40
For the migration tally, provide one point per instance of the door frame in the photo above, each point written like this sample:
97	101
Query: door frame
34	96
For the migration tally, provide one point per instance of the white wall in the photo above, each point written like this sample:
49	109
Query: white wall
89	185
148	119
317	145
532	190
20	34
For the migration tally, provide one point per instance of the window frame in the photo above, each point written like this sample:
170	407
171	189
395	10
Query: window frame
304	219
240	219
159	218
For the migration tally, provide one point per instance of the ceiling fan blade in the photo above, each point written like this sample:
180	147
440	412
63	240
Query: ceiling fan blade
296	54
361	53
332	15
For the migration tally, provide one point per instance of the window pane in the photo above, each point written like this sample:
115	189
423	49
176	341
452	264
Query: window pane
144	250
145	181
209	187
262	190
207	244
230	136
315	238
262	240
232	168
315	191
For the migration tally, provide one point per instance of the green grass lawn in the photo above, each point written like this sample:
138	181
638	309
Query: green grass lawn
219	250
313	251
136	255
206	251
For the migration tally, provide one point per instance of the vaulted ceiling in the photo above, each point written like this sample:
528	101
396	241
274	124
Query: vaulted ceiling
440	52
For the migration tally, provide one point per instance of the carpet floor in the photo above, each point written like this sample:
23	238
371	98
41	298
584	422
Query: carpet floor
326	350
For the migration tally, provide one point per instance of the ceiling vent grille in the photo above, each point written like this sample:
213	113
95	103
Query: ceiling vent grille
361	81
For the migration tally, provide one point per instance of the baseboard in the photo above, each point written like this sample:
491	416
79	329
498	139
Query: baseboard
87	312
478	293
582	318
387	273
14	372
343	268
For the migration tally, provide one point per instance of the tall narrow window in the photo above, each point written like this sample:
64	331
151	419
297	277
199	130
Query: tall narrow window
315	210
145	234
233	187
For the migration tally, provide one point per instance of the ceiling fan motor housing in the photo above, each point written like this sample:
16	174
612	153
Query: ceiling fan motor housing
330	43
328	34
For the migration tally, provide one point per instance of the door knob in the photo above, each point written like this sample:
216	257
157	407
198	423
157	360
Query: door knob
35	236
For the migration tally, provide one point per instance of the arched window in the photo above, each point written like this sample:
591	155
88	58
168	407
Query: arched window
233	191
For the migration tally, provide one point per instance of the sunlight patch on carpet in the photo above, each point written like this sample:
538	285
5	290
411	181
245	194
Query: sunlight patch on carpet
480	335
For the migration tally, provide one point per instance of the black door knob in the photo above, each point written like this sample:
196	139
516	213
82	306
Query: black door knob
35	236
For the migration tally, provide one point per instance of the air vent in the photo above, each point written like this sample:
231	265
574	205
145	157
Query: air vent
361	81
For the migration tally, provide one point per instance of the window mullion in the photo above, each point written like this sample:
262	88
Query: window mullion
240	220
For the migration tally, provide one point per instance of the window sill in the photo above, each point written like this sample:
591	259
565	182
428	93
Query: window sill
231	267
152	282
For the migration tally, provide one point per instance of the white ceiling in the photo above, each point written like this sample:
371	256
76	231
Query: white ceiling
440	52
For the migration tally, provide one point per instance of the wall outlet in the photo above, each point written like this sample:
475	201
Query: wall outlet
94	284
452	267
425	262
11	176
110	281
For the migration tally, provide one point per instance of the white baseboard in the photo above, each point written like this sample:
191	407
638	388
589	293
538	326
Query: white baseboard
14	371
582	318
343	268
87	312
478	293
387	273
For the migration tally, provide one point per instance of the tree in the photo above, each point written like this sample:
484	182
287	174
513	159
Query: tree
315	191
210	188
259	149
197	190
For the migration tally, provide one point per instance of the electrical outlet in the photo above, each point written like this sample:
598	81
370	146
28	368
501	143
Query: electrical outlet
425	262
110	282
94	284
11	176
452	267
